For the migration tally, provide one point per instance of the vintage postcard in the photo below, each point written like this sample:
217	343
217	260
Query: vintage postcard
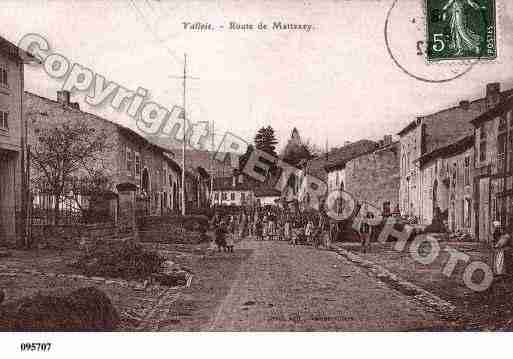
253	166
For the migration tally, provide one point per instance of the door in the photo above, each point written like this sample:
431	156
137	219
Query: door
484	209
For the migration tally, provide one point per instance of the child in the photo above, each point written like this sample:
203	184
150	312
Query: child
309	231
258	229
287	231
220	236
230	242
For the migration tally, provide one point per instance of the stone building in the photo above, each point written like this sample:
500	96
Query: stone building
325	168
446	182
11	137
428	133
336	161
373	177
130	158
235	190
493	183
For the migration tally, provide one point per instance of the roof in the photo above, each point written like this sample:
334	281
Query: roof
393	146
118	126
266	191
15	52
338	158
452	149
465	119
226	184
498	110
409	127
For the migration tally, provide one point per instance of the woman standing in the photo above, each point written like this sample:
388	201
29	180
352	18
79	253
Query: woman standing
287	231
309	231
502	251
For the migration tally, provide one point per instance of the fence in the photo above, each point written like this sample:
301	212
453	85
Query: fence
81	203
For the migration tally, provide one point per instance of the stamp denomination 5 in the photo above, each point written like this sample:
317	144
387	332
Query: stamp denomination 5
461	29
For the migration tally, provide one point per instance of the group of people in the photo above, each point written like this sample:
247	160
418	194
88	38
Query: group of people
271	224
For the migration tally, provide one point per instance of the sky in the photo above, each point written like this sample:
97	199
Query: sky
335	83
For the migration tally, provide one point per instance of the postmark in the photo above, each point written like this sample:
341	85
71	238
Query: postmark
461	30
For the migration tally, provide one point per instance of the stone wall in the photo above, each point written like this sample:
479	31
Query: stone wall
374	177
69	236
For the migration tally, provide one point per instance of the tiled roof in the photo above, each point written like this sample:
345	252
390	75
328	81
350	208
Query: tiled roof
454	148
266	191
494	112
317	166
226	184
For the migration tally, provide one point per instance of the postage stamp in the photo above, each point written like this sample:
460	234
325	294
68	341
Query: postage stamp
461	30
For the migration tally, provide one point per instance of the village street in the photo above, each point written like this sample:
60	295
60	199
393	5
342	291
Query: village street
280	287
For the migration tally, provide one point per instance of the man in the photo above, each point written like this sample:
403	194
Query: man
365	233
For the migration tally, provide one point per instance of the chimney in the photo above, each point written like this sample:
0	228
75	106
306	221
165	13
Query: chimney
465	105
63	97
493	93
387	140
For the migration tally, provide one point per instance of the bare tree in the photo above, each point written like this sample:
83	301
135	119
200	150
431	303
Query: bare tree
64	152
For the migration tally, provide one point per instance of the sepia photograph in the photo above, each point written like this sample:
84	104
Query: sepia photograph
257	178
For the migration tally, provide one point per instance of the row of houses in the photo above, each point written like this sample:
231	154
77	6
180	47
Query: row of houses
153	170
128	158
241	190
453	167
367	169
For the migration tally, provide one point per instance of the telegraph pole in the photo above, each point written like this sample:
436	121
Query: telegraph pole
183	130
184	137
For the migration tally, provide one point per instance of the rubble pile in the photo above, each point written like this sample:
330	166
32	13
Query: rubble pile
85	309
127	260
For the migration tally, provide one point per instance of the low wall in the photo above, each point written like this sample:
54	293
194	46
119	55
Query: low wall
70	235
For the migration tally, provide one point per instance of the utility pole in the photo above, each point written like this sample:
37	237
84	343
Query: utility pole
183	130
184	138
212	168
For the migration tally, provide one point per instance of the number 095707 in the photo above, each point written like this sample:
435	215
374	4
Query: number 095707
35	347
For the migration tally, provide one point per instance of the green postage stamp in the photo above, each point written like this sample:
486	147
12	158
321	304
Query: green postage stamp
461	29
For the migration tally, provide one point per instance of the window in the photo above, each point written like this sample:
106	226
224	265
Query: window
4	76
386	208
466	173
243	197
501	151
4	120
129	161
232	196
137	163
482	144
502	124
224	196
216	196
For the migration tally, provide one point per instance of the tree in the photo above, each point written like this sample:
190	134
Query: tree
294	153
265	140
61	154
